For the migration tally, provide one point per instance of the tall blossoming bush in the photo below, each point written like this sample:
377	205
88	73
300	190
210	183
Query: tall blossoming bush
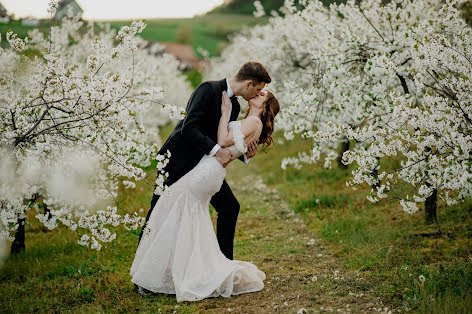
76	121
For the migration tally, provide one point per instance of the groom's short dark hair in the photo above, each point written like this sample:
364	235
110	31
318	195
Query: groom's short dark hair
253	71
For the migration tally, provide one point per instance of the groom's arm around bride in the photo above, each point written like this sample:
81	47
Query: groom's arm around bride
199	114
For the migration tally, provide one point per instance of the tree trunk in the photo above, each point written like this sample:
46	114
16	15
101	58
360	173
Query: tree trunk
375	174
430	206
47	211
48	214
19	242
344	148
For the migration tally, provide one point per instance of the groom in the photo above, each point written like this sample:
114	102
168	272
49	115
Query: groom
196	135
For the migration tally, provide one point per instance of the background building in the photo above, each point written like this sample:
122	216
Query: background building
65	6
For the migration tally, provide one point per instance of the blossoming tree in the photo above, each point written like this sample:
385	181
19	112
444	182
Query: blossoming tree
391	79
75	122
429	124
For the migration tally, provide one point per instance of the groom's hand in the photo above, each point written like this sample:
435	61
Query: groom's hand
252	149
224	155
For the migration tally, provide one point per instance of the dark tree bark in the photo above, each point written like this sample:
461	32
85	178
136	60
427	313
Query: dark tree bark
375	174
431	203
47	211
19	242
344	148
430	206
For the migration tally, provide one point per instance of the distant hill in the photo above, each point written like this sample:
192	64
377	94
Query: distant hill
247	6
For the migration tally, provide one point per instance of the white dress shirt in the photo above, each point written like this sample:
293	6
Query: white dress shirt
230	93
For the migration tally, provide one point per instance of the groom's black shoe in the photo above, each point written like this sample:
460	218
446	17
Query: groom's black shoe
142	291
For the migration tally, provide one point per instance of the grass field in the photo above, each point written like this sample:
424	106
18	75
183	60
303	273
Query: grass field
17	28
365	256
381	240
209	31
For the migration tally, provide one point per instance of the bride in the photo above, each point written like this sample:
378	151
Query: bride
179	252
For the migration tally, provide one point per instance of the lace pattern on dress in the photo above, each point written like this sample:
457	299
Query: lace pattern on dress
238	136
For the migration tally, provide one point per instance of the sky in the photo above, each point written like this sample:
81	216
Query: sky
116	9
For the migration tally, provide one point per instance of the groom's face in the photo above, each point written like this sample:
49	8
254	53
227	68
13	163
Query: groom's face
250	90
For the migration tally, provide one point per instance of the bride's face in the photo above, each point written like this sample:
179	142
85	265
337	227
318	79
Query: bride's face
258	101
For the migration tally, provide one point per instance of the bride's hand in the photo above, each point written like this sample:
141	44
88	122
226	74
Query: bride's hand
225	103
252	148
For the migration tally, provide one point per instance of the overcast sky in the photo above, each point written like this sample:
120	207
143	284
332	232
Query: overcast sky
117	9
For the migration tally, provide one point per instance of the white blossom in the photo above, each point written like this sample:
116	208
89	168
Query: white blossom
52	7
259	9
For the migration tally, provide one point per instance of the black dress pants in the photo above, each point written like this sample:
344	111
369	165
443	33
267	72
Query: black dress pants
227	207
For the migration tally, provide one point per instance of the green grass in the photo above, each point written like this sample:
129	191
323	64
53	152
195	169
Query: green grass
209	32
56	274
381	240
194	77
322	201
20	30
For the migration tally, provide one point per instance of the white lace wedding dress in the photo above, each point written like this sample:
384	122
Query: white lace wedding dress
179	254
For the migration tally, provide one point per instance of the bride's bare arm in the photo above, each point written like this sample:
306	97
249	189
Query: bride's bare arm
224	136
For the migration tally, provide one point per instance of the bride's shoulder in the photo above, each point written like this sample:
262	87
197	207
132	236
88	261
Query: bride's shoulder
250	125
251	122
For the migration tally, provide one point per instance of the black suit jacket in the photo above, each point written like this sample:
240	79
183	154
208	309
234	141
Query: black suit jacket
196	134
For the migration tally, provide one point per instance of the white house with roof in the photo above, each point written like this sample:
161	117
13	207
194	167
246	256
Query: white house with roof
65	6
4	18
3	11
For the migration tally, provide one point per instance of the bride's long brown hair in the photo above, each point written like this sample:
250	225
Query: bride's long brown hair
271	108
